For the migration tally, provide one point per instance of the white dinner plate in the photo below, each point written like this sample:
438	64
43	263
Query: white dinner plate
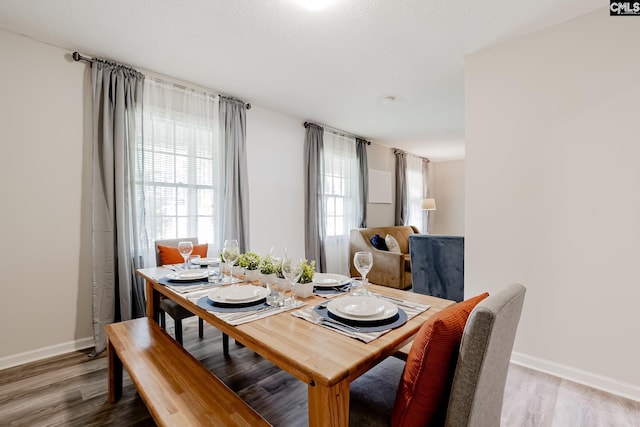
186	275
205	261
329	280
238	294
362	308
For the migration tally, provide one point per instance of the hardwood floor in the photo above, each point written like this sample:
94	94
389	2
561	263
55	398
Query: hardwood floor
71	390
536	399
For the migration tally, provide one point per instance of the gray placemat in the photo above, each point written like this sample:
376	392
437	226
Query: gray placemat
366	326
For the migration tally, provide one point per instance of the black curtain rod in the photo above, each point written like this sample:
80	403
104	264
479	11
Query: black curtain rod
77	57
306	125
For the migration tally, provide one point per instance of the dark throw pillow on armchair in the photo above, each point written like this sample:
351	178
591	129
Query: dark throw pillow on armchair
378	242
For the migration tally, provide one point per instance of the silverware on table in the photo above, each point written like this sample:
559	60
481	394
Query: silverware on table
319	320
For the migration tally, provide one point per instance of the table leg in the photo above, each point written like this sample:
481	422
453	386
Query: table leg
153	302
114	374
329	406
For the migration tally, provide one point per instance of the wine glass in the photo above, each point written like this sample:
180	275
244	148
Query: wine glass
277	254
230	254
363	261
185	249
292	270
276	285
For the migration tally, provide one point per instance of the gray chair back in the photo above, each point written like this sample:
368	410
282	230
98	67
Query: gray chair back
478	384
437	265
172	242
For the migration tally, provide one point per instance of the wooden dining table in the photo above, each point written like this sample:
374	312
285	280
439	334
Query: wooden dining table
325	360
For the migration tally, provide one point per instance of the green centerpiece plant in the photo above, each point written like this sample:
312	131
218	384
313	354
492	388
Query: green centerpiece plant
250	262
308	270
304	288
267	265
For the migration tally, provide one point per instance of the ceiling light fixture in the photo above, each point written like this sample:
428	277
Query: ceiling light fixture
315	5
389	100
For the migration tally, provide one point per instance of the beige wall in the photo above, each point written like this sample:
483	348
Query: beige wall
45	178
44	186
275	153
552	194
446	182
381	158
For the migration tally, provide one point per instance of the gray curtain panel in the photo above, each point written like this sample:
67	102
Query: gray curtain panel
233	117
402	211
117	293
313	197
361	152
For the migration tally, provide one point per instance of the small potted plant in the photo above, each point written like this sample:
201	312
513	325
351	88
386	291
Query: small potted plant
305	283
250	262
268	270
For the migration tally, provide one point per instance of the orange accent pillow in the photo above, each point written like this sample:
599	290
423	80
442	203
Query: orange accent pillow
423	394
171	255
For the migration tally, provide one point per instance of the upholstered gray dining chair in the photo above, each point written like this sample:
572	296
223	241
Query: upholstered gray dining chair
175	310
477	387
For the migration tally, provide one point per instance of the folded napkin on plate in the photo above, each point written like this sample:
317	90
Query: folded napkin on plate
365	337
240	317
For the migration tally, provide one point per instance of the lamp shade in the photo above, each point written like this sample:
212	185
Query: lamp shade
428	205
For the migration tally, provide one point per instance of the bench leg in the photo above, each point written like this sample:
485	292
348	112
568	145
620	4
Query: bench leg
178	324
163	320
114	374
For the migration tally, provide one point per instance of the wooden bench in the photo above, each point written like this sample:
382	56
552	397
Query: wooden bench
177	389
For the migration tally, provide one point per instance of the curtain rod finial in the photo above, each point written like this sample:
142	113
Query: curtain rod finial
76	56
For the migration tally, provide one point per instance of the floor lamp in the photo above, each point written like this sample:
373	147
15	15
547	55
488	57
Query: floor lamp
428	205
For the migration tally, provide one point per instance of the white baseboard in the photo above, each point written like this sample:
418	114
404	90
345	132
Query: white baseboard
589	379
45	352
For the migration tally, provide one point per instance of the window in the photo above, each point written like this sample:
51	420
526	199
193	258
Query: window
416	181
341	185
179	165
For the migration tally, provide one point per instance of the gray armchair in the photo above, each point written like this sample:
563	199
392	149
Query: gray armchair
437	265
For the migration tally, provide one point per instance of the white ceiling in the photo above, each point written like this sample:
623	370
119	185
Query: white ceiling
332	66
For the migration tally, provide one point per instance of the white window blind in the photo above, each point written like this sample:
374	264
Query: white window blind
179	162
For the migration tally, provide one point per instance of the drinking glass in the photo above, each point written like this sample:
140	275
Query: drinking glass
185	249
194	262
230	254
292	270
213	273
363	261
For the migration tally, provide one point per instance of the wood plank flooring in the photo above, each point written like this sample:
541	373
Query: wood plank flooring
71	390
